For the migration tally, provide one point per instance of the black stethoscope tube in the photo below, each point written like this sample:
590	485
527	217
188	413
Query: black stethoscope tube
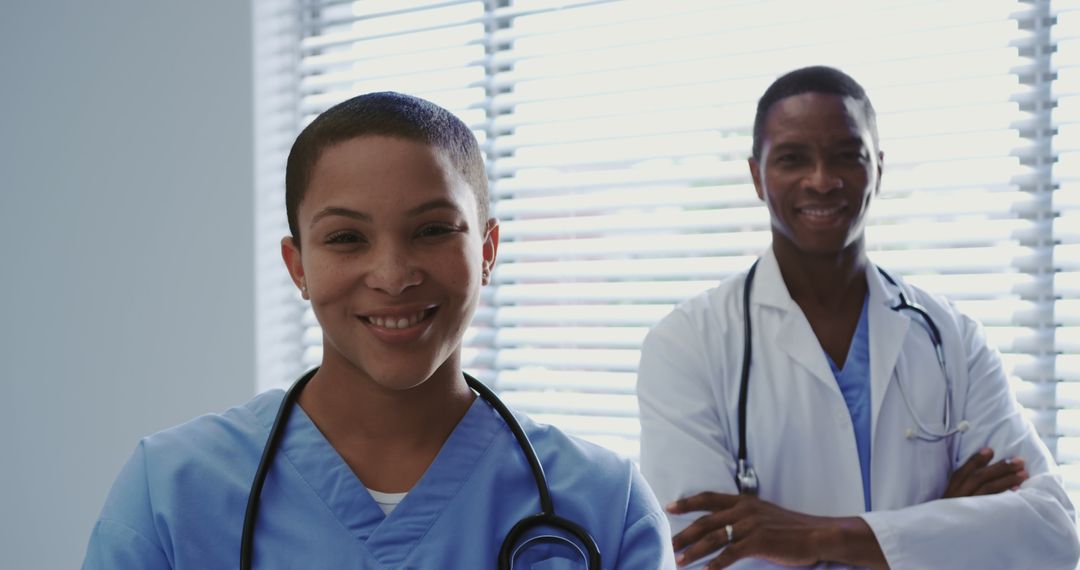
745	477
247	538
545	518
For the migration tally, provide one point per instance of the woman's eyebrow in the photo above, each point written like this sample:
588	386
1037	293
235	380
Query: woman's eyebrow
338	211
436	204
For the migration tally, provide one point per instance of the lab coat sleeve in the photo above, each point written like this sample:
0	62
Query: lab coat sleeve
684	448
124	537
1033	527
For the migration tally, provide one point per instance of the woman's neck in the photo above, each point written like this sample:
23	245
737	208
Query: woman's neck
388	437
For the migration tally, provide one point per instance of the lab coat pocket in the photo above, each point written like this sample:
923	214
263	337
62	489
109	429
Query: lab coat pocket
931	466
924	389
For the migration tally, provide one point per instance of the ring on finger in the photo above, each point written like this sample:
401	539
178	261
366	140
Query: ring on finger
730	532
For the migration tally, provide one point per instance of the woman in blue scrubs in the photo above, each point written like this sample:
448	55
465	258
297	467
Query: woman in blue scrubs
389	459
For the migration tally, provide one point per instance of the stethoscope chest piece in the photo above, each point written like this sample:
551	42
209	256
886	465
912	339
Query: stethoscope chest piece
746	479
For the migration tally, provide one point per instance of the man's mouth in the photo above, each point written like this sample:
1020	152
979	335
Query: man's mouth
820	212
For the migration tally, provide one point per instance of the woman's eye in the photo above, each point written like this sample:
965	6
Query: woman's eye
344	238
436	230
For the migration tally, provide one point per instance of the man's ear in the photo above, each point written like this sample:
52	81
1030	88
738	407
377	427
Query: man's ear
755	174
880	169
290	253
491	249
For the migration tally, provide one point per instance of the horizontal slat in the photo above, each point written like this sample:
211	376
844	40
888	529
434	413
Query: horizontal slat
559	402
1068	367
1067	338
578	315
568	380
583	337
1067	311
961	286
965	260
591	425
879	238
561	359
582	292
979	175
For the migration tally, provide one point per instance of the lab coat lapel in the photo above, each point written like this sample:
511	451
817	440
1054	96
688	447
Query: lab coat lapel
888	329
794	336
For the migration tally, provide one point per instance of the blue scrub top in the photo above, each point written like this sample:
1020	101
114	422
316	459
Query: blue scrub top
854	382
179	502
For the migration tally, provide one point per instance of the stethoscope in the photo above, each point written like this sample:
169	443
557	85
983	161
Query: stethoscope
545	518
746	478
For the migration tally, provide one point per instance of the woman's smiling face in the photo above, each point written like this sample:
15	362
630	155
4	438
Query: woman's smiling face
392	258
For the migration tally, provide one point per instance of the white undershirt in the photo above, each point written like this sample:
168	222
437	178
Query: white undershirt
387	501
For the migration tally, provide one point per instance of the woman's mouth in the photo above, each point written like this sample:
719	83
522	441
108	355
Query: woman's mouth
399	321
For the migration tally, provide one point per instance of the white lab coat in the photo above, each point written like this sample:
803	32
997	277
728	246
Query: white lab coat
801	441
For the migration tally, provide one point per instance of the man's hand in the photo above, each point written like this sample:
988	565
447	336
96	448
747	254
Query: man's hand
763	530
976	477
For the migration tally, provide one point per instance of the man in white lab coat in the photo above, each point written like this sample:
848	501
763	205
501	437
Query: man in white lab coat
867	449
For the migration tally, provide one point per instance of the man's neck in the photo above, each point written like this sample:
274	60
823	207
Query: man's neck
831	282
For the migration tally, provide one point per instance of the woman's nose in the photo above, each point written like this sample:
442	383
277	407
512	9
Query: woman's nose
391	271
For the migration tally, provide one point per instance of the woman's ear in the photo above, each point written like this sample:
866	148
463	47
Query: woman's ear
290	253
491	249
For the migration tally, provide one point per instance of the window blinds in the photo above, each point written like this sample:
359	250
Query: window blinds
616	135
1066	236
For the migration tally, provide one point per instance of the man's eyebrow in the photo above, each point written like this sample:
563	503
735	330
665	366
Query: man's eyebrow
789	146
436	204
853	141
344	212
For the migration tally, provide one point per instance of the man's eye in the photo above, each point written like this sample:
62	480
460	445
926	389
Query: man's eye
789	157
853	156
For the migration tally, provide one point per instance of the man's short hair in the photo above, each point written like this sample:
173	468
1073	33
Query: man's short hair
386	114
815	79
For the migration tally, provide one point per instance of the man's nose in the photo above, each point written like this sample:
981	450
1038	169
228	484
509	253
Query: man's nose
823	178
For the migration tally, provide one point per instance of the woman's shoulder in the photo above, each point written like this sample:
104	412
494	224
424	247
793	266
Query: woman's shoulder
584	476
187	481
554	444
572	460
218	435
208	460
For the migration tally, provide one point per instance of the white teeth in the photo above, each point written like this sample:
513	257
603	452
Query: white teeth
397	323
821	212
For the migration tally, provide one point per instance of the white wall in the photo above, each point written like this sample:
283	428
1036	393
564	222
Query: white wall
126	224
